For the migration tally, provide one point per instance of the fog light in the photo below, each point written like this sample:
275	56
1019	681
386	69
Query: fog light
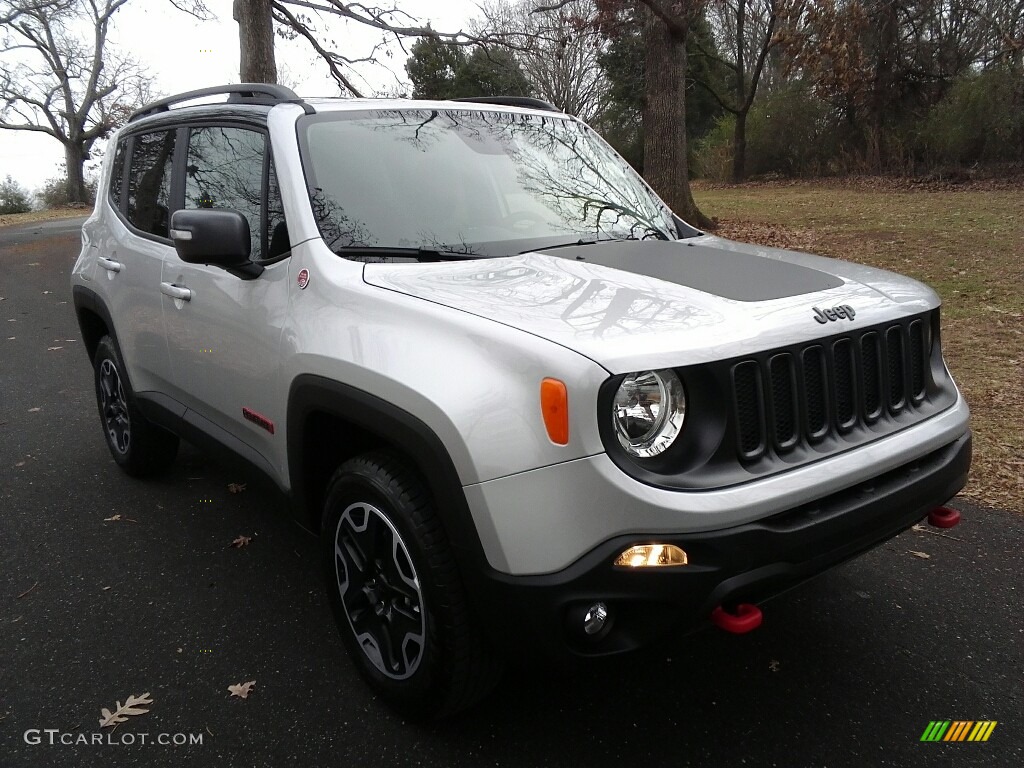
595	619
652	556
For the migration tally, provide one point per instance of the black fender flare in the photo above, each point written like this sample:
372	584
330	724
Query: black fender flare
87	299
310	393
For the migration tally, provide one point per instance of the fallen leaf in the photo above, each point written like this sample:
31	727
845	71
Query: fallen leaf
34	410
122	713
236	487
118	519
106	588
27	591
241	541
20	464
11	338
242	690
180	650
922	555
44	292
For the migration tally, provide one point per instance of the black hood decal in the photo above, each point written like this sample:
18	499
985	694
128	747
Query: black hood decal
729	274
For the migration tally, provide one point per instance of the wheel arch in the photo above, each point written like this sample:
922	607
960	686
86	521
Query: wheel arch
94	320
329	422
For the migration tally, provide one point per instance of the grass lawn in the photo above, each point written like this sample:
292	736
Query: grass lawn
10	219
968	244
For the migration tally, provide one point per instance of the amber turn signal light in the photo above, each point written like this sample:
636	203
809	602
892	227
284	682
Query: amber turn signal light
554	405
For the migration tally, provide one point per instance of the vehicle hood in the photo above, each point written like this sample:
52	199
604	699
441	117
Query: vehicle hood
634	305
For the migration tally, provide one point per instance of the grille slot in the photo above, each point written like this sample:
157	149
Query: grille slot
894	368
746	383
783	401
871	367
800	395
843	365
814	392
917	361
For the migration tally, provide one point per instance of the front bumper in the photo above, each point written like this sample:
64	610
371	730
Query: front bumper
744	563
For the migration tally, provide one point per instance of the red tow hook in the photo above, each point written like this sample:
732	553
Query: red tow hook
745	618
943	517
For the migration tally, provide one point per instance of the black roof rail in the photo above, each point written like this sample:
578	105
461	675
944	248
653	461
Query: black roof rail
512	101
238	93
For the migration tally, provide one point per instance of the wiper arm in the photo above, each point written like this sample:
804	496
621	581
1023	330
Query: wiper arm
419	254
571	243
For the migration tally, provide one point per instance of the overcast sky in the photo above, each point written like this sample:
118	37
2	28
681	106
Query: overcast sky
183	54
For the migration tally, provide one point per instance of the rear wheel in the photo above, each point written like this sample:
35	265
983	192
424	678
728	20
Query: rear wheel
138	446
396	594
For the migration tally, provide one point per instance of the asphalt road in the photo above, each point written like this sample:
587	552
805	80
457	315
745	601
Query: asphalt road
847	670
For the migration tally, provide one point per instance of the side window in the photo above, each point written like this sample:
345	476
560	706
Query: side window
149	182
117	174
225	170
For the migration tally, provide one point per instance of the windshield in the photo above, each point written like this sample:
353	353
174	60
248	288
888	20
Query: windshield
470	182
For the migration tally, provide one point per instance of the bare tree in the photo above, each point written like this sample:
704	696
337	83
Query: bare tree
310	20
744	32
54	81
558	51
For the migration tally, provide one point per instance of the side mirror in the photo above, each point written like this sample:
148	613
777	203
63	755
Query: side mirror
217	236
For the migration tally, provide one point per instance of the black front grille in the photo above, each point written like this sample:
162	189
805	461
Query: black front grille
798	396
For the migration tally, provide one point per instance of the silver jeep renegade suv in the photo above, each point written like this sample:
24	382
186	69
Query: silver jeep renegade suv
526	407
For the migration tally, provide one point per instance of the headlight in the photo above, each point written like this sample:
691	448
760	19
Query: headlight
649	409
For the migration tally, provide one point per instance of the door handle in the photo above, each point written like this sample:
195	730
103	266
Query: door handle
175	291
109	264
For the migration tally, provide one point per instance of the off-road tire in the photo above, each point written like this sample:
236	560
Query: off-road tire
449	667
138	446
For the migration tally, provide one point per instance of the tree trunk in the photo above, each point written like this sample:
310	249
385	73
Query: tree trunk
255	41
74	160
665	160
882	97
739	148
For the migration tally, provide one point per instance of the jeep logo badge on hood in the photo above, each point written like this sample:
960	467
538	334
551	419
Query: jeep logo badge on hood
835	313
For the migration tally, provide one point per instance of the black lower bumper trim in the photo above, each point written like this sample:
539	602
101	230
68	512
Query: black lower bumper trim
746	563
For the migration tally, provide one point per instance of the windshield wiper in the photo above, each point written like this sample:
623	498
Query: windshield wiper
387	253
569	244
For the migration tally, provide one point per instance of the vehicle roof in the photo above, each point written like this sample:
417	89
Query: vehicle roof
328	104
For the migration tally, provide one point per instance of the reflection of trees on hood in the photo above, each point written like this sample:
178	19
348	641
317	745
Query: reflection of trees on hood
578	294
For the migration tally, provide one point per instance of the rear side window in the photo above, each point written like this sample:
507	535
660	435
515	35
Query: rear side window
225	170
117	176
149	182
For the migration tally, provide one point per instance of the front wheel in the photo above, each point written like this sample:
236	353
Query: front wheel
395	591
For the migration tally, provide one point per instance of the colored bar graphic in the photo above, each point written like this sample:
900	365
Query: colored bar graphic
935	730
959	730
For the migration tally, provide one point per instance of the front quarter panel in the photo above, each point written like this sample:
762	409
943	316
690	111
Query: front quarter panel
475	383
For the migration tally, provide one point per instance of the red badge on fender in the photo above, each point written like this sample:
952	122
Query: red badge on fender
303	278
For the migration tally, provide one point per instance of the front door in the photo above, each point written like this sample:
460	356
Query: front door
224	331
